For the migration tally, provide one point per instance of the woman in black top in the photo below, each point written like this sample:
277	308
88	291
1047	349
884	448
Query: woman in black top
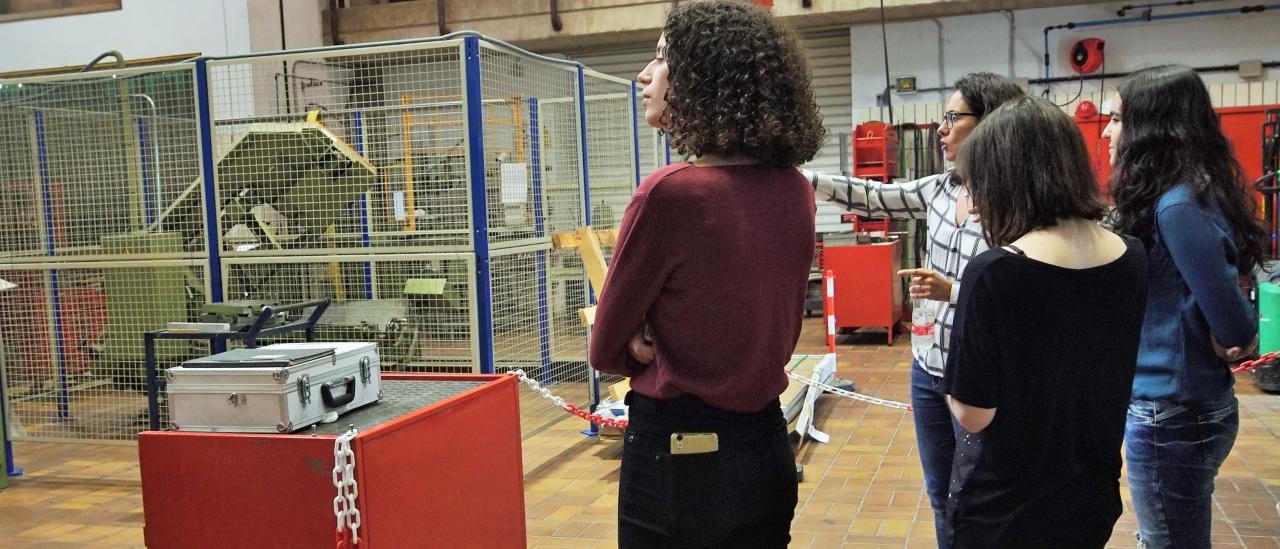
1046	336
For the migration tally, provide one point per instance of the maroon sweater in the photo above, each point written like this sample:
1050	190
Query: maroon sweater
716	260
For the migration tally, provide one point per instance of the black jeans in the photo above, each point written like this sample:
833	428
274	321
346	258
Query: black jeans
743	495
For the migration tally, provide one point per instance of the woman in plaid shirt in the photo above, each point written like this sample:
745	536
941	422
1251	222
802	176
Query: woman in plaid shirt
954	239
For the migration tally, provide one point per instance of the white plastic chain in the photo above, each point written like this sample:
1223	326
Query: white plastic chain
538	388
850	394
344	480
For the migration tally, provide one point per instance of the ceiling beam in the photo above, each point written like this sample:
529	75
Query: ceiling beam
528	23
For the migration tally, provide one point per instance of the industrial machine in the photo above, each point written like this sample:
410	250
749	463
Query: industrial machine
285	184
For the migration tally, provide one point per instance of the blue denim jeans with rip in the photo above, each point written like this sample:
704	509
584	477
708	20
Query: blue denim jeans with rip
1172	454
936	441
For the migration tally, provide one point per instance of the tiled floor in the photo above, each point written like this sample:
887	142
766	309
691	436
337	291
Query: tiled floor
863	489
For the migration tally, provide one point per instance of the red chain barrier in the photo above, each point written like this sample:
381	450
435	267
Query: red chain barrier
595	418
1250	365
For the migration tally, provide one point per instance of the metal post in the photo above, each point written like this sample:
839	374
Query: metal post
539	230
593	377
208	173
148	207
358	130
666	148
479	202
582	136
10	470
153	386
46	193
635	133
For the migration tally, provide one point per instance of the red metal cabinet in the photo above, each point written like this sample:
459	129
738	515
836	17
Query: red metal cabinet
868	290
447	474
875	151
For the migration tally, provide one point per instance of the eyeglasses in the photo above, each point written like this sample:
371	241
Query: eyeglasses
949	117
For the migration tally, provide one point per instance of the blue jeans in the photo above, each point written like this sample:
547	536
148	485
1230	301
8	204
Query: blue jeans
1172	454
936	438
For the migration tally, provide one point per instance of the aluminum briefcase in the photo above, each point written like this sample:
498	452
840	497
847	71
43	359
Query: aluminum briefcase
273	389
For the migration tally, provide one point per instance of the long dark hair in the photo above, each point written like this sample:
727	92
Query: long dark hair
739	85
1171	135
983	92
1027	167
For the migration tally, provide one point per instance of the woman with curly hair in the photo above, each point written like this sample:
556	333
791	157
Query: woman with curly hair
703	302
1179	189
955	237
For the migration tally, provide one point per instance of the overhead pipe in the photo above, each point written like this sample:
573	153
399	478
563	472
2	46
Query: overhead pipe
333	23
444	28
942	64
556	23
1012	28
1102	76
119	60
1145	18
1147	7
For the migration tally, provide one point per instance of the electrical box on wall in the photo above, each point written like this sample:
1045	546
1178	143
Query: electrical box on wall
906	84
1250	69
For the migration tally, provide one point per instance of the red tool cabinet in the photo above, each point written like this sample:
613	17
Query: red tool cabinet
443	471
875	151
868	290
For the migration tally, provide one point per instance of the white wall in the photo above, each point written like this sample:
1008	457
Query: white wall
142	28
981	43
152	28
302	24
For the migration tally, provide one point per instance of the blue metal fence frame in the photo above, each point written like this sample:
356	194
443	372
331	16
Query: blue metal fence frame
207	174
540	230
479	202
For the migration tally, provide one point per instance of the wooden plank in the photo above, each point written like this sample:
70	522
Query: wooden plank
592	259
618	390
567	241
608	237
570	240
21	10
129	63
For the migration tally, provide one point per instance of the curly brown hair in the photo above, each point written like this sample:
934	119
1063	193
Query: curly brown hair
738	84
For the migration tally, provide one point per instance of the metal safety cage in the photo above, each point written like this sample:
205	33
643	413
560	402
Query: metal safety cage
418	308
71	344
532	135
612	149
342	150
100	165
613	161
537	293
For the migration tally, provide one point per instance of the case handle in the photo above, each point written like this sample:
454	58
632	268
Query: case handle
326	392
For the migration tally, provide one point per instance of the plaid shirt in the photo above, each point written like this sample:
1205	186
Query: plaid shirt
951	246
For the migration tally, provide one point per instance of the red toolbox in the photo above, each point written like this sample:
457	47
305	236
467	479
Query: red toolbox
868	290
438	464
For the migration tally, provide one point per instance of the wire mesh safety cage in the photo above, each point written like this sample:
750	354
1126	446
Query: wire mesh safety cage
71	346
418	308
532	147
342	149
102	164
611	153
339	172
537	293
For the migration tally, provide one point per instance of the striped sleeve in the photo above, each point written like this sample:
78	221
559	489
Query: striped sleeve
902	200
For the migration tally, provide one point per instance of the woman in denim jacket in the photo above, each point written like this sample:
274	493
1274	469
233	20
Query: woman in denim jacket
1179	189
